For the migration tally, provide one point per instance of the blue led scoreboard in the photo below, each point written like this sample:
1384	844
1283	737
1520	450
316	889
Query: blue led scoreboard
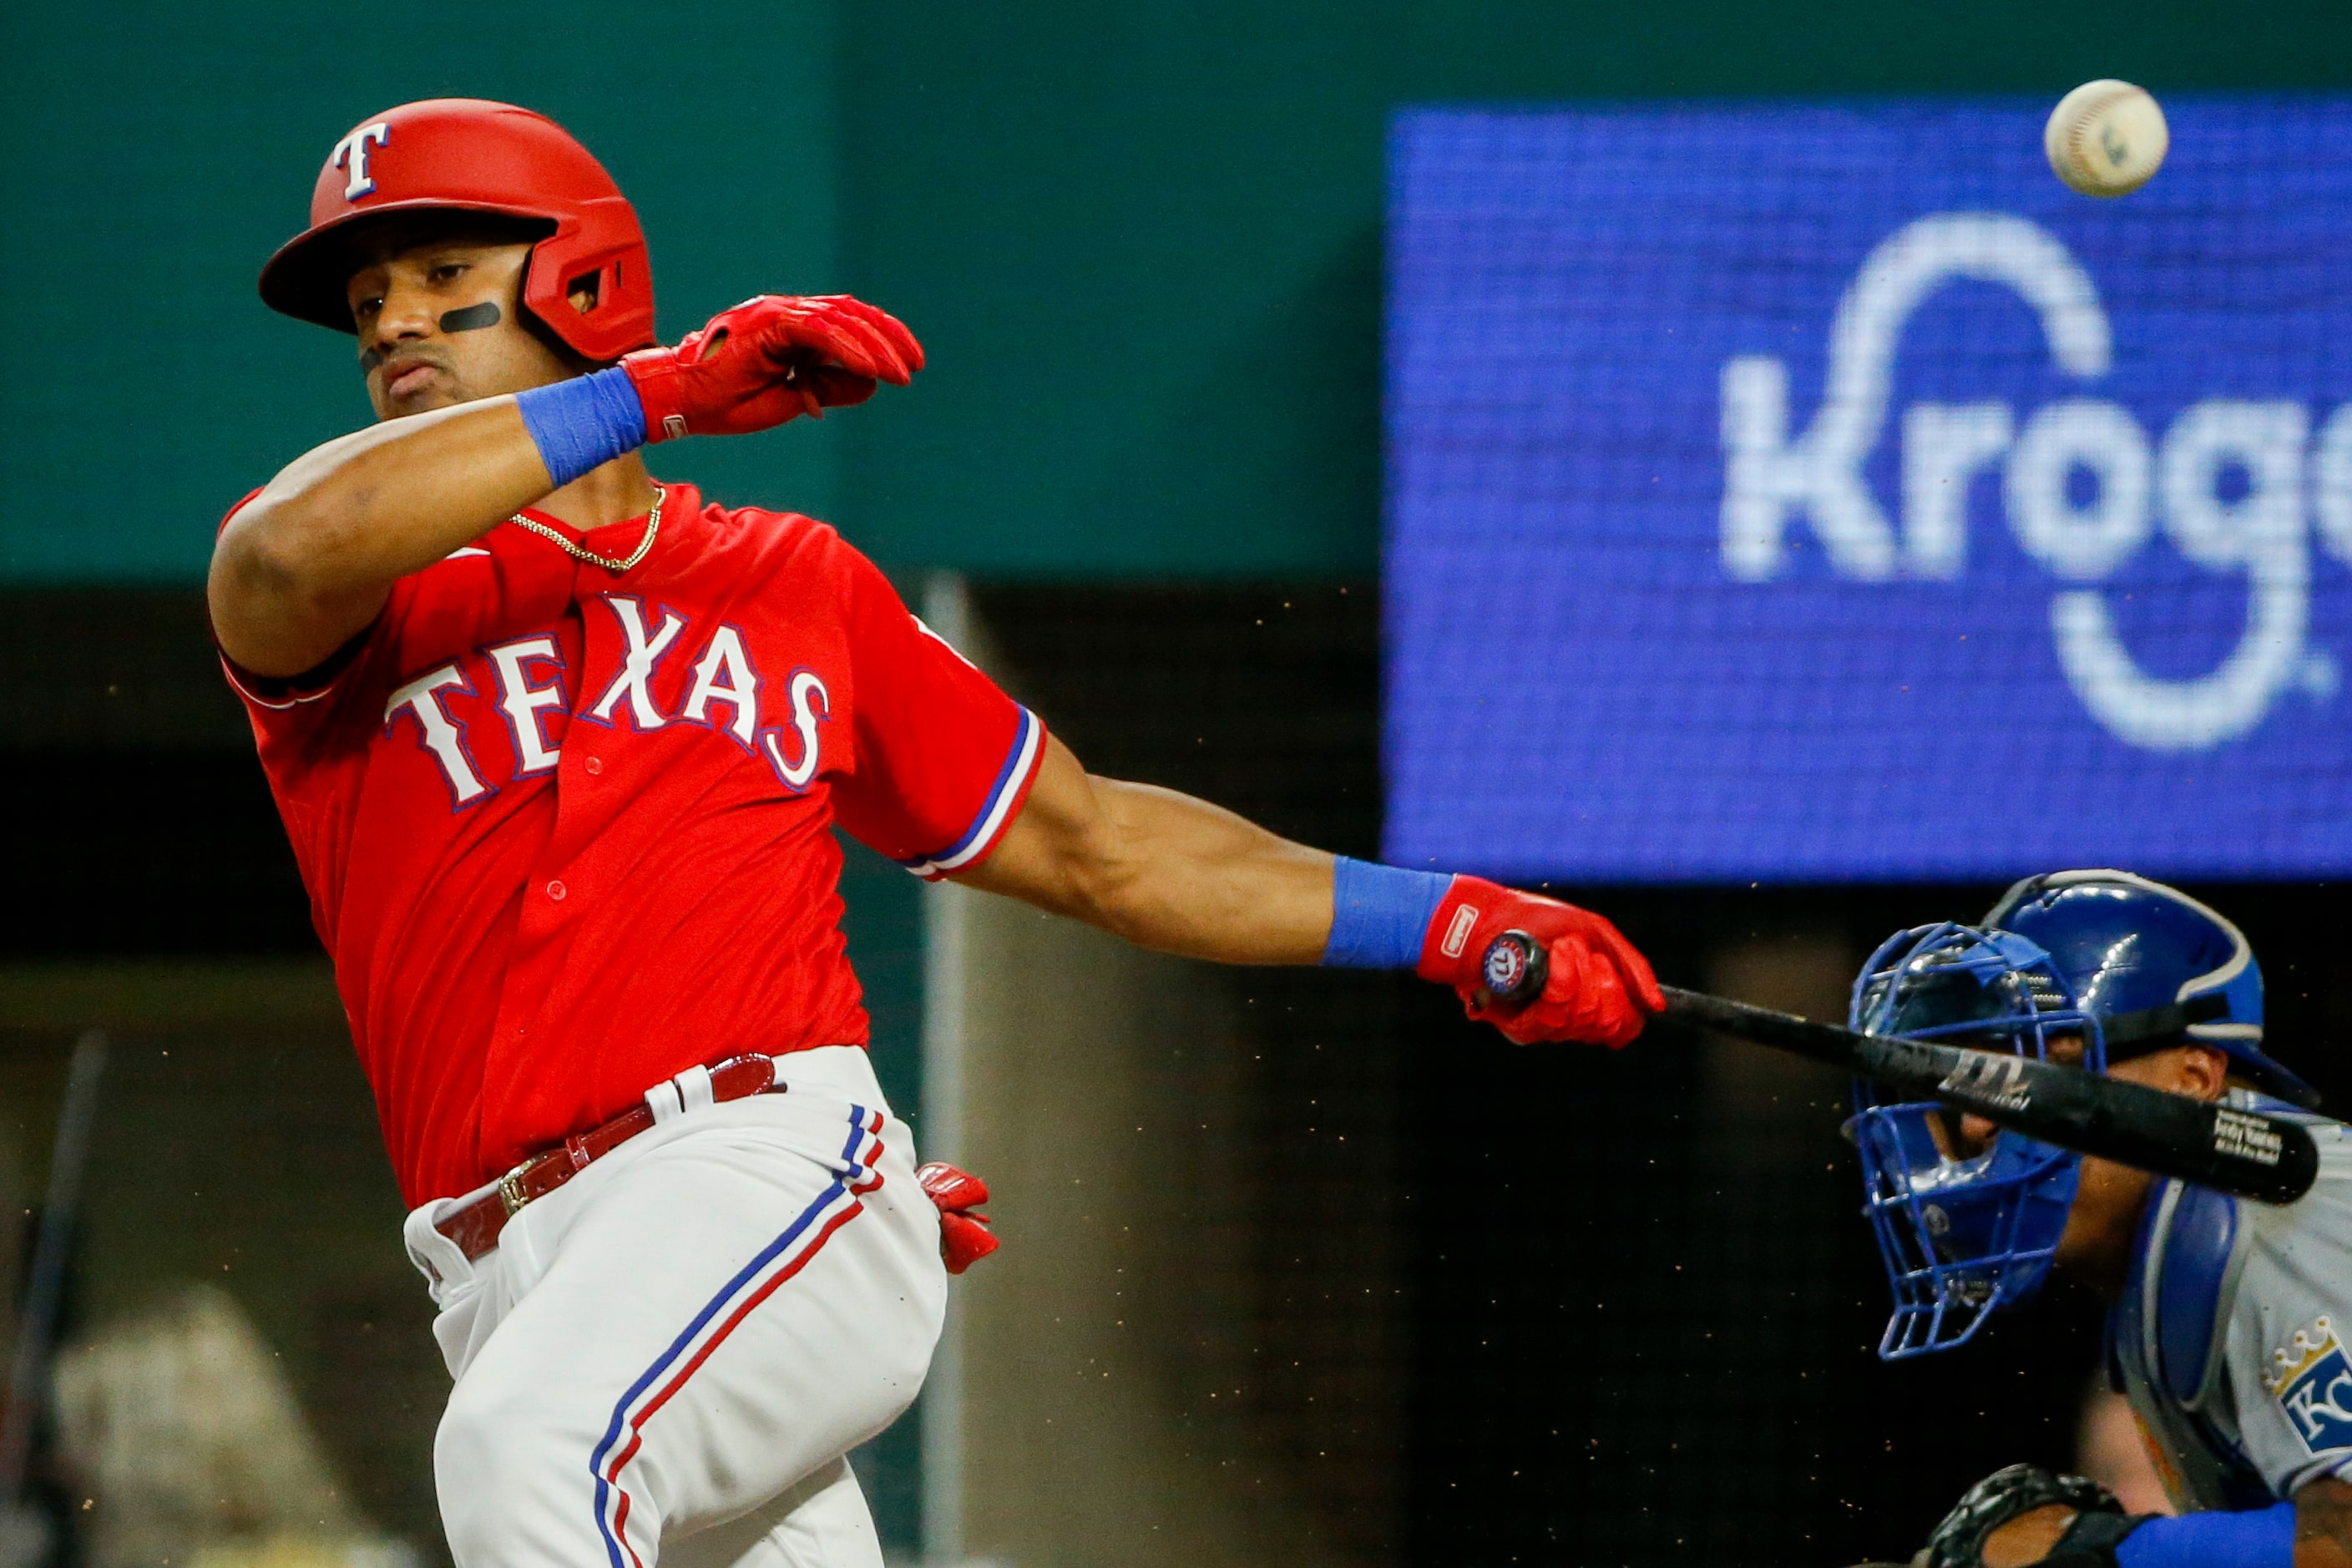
1819	493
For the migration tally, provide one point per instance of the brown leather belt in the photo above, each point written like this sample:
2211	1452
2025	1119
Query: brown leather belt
476	1226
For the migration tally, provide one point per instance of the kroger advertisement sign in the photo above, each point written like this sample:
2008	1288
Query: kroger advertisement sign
1810	493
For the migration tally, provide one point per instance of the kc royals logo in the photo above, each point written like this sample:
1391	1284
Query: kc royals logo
2312	1380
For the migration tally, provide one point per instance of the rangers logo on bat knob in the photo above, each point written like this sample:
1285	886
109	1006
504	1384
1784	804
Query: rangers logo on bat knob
1514	968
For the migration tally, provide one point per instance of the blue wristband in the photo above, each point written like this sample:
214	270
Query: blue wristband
2258	1538
1381	915
584	422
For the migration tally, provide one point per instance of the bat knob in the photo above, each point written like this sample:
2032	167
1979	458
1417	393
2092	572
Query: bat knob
1514	970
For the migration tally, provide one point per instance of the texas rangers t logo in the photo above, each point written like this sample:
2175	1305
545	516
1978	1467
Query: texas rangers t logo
2312	1381
351	157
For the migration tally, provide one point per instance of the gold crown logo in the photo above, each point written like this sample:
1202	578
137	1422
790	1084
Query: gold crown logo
2300	1354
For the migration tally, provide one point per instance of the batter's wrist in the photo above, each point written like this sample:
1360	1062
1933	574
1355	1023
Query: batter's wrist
1379	914
584	423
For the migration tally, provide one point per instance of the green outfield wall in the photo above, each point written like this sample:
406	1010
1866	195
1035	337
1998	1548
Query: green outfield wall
1141	241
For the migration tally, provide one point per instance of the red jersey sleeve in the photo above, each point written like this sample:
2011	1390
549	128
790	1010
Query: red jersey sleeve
943	758
273	702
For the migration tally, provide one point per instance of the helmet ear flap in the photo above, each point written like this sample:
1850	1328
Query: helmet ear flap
597	305
599	300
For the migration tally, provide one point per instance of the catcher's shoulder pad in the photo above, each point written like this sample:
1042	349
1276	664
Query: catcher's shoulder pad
2006	1494
2190	1276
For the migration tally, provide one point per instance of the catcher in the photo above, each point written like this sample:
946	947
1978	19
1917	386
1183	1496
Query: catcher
2226	1316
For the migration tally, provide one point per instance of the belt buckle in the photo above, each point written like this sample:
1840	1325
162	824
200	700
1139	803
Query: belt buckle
511	1193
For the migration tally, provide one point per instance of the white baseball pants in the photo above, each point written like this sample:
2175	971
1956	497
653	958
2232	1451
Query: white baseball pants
668	1357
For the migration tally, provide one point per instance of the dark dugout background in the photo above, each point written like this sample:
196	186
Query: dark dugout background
1542	1307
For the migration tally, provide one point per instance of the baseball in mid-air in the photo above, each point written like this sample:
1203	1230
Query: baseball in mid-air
2107	138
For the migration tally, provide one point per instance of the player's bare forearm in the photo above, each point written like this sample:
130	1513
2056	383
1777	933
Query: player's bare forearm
309	561
2322	1525
1162	870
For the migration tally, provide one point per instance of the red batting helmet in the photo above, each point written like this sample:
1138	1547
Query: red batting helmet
470	154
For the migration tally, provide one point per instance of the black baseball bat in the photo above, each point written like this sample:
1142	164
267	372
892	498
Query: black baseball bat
2247	1152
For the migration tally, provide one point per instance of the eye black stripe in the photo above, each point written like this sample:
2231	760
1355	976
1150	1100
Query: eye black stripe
471	318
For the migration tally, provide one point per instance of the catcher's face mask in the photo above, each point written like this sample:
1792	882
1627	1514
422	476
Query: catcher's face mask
1965	1229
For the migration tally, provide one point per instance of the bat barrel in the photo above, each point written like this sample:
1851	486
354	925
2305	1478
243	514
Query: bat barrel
2250	1154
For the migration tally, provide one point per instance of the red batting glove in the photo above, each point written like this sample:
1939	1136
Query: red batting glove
965	1236
1600	990
769	359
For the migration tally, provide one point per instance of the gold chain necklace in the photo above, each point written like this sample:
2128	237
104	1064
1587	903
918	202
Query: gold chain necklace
652	527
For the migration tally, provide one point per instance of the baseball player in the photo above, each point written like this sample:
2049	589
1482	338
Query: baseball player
2228	1317
558	747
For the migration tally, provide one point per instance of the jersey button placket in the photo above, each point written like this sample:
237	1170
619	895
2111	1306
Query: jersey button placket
556	890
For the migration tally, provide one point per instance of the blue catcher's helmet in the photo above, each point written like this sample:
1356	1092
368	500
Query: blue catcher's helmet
2158	968
2103	965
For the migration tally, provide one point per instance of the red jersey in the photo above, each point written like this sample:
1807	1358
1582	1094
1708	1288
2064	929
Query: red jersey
566	832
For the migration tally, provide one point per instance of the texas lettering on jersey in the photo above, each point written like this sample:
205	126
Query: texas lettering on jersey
567	832
526	680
